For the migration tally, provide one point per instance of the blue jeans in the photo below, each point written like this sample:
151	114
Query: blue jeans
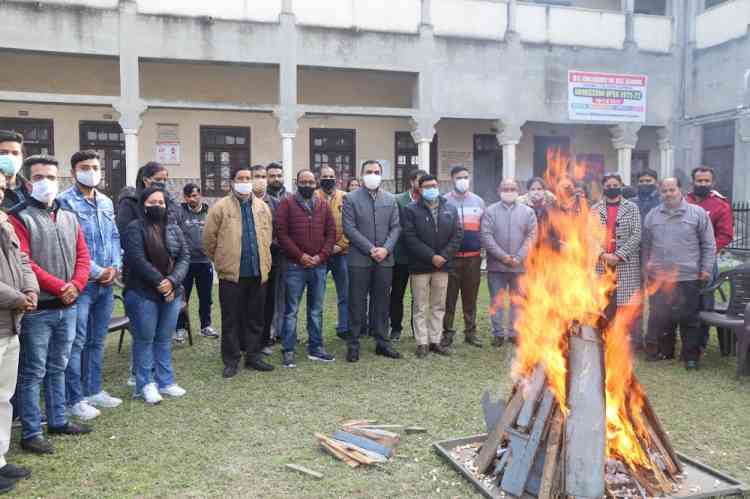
46	339
502	282
297	278
340	271
152	324
83	376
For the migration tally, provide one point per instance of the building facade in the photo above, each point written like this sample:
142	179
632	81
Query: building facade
201	86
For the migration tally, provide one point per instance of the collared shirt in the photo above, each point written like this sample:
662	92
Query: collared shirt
249	259
97	218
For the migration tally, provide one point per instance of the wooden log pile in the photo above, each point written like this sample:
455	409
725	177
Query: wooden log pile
362	442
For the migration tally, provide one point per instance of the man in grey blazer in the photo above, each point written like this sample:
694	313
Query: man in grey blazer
370	221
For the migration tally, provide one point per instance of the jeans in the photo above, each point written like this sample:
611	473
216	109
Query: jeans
202	273
83	376
339	268
46	339
297	278
152	325
242	312
500	282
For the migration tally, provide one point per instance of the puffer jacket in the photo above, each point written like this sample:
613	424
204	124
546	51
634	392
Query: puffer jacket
127	210
142	276
424	238
16	278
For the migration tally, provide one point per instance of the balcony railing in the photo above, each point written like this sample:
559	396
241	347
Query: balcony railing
722	23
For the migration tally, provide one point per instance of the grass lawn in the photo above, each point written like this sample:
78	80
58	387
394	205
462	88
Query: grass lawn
233	437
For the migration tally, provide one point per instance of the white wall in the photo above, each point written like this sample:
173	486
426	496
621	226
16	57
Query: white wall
246	10
571	26
98	4
374	15
470	18
722	23
653	33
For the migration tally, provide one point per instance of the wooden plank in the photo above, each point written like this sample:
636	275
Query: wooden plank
386	438
656	441
303	470
531	395
358	422
337	453
585	427
414	429
389	427
363	442
649	413
364	456
489	449
553	454
514	480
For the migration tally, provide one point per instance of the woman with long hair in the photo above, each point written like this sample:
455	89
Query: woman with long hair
157	258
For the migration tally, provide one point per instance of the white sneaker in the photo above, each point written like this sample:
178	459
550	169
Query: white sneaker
209	332
180	335
151	394
131	380
173	391
103	399
267	351
84	411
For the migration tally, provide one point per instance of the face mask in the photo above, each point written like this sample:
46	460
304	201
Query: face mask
155	213
274	186
328	184
702	191
430	194
259	185
462	185
243	188
508	197
89	178
10	165
158	184
44	190
305	191
536	196
372	181
646	189
613	192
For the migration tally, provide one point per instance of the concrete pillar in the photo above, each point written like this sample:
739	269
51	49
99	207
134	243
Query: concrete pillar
666	152
422	131
624	139
511	32
286	114
741	184
508	136
629	8
287	119
426	13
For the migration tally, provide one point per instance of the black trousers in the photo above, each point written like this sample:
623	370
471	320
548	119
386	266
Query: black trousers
202	274
373	282
669	308
242	310
398	289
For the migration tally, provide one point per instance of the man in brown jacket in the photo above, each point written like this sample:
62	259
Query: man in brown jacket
237	238
18	293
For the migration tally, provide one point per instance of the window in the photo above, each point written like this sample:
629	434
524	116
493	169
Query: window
107	139
407	160
638	163
718	153
652	7
714	3
38	135
221	149
335	148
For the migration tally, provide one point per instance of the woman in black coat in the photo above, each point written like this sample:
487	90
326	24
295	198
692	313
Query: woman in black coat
157	258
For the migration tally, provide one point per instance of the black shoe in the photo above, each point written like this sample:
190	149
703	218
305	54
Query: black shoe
13	472
6	485
447	339
344	335
352	354
69	429
655	357
439	349
421	352
38	445
473	341
498	341
230	371
395	335
387	352
257	363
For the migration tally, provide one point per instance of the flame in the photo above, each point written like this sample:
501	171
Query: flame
560	289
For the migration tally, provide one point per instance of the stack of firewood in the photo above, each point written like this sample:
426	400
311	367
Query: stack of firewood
361	442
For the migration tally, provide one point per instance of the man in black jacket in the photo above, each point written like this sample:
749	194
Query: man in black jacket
432	234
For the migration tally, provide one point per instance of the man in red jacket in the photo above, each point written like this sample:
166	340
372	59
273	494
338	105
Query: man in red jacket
720	212
55	244
306	232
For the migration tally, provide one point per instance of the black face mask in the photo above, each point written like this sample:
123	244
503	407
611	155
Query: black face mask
158	185
702	191
646	189
155	213
613	192
305	191
328	184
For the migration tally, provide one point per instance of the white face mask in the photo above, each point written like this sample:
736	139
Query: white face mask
243	188
372	181
259	185
10	164
462	185
89	178
508	197
45	190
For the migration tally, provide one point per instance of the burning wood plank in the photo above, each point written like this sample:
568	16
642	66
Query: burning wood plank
553	455
489	449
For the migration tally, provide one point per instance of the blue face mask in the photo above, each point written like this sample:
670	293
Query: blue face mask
430	194
9	165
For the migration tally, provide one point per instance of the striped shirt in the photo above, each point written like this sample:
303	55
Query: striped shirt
470	209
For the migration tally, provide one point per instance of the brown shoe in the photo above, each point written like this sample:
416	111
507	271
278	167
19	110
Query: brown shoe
439	349
421	351
498	341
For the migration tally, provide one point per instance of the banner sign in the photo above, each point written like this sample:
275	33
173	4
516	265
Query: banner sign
606	97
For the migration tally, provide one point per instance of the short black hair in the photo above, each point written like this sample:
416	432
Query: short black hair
458	169
11	136
426	178
415	174
79	156
703	169
536	180
611	175
40	159
257	168
274	165
648	172
371	162
304	170
238	168
190	188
